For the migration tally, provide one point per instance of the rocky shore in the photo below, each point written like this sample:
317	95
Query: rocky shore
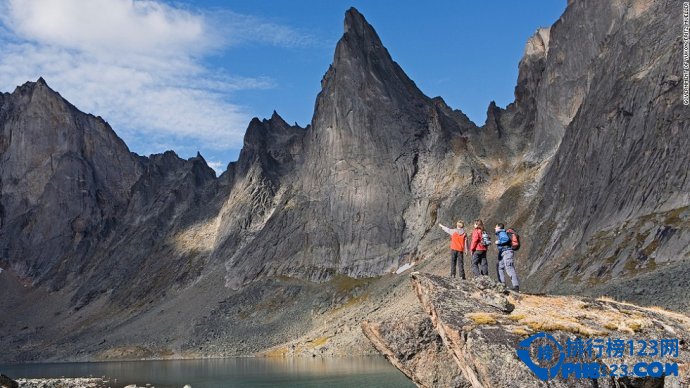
61	383
6	382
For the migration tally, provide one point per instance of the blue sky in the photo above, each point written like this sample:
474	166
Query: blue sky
189	76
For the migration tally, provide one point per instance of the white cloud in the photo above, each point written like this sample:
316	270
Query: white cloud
108	26
237	28
138	64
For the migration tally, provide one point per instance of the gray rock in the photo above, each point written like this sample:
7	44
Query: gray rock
413	346
64	382
483	339
6	382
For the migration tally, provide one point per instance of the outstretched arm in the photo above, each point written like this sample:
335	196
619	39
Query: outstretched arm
445	229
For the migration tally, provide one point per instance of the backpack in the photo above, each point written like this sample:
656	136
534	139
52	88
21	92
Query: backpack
503	238
514	239
486	241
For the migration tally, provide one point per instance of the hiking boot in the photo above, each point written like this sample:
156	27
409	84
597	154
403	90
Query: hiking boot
516	288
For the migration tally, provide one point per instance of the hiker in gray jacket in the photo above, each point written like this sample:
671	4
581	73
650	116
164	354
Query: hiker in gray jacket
505	257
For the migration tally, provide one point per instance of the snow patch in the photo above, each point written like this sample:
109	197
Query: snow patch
404	268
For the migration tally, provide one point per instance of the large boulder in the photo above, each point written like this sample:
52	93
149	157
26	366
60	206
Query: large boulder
494	336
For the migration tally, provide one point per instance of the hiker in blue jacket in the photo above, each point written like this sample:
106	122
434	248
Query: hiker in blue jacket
505	257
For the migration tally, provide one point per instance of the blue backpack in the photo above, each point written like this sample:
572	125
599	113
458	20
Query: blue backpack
503	238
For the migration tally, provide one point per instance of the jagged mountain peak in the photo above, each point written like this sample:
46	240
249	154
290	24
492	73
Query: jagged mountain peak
259	130
357	25
538	43
28	89
275	117
364	75
361	58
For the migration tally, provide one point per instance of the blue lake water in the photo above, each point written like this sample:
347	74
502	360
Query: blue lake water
231	372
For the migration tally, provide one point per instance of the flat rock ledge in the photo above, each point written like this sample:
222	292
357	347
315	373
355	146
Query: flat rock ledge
469	333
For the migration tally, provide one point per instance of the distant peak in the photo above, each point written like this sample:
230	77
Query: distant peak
357	27
360	46
275	118
354	20
40	88
538	43
31	85
363	70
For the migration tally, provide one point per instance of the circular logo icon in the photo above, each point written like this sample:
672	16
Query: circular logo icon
542	354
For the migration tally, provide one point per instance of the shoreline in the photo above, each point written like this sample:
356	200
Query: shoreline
257	356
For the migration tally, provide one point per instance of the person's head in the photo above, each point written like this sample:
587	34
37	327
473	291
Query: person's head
479	224
500	226
460	224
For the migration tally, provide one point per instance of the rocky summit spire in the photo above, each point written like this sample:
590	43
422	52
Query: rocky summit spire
360	41
370	129
364	85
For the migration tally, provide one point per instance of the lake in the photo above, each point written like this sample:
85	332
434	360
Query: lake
231	372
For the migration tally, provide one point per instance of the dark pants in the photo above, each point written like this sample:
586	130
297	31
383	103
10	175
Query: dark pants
456	261
479	264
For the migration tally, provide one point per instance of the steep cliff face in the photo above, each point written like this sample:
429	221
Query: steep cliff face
81	211
614	200
64	181
257	212
567	50
151	250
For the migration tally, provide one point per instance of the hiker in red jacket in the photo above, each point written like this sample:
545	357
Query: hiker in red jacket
458	242
480	241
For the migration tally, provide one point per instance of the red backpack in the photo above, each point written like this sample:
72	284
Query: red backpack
514	239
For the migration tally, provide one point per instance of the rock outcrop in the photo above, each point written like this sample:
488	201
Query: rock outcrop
415	347
6	382
482	325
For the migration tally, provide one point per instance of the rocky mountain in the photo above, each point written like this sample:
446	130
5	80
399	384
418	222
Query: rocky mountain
613	203
350	198
82	212
588	163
